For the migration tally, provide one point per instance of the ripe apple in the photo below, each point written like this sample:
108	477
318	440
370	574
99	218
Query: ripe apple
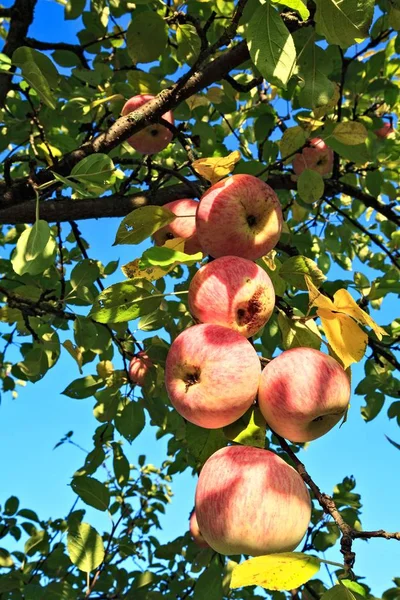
195	532
211	375
234	292
154	137
182	227
303	394
239	216
139	368
250	501
317	156
384	131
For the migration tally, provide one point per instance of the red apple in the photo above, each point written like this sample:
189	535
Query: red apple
250	501
196	533
303	394
234	292
211	375
182	227
384	131
139	368
318	157
239	216
153	138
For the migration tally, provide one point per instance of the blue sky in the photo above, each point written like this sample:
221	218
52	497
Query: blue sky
33	423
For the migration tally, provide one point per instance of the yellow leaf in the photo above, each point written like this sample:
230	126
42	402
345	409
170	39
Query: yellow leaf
215	94
269	259
133	271
348	341
350	133
108	99
196	100
316	297
346	304
215	168
284	571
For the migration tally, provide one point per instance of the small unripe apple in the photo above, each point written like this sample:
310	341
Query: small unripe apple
384	131
303	394
317	157
139	368
182	227
154	137
239	216
211	375
196	533
250	501
234	292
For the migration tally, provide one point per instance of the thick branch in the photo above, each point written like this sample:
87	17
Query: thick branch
21	18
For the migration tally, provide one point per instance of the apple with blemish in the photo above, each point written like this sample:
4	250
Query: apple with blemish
211	375
385	131
184	226
139	368
239	216
303	394
250	501
234	292
317	157
153	138
195	532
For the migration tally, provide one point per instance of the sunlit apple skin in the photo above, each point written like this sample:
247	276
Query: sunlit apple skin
317	157
250	501
239	216
139	368
183	227
303	394
234	292
212	375
196	533
384	131
153	138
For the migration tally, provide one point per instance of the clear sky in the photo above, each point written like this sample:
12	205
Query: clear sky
32	424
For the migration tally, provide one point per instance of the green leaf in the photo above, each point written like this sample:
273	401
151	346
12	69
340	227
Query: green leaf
188	44
120	465
73	9
146	37
298	335
39	71
310	186
293	139
125	301
163	257
338	592
209	584
270	45
353	586
38	542
85	547
5	558
344	22
130	421
203	442
395	444
249	430
35	249
295	268
284	571
298	5
95	172
314	66
142	223
11	506
83	387
91	491
350	133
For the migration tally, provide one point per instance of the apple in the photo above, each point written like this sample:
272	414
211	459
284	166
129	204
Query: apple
212	375
154	137
182	227
195	532
385	131
234	292
139	368
239	216
250	501
317	156
303	394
